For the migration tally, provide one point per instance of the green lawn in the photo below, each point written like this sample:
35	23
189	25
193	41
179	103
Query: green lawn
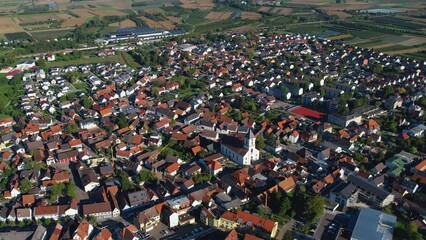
81	86
8	97
89	60
128	59
5	89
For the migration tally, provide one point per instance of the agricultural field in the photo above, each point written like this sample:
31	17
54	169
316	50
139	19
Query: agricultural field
8	25
340	14
197	4
51	34
384	42
218	15
275	10
124	24
151	23
175	20
282	10
402	32
153	10
31	18
82	16
250	15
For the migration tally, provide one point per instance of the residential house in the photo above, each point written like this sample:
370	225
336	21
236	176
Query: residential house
369	193
149	218
89	180
420	173
266	227
346	194
83	231
99	210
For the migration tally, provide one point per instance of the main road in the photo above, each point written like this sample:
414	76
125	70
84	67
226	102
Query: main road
69	50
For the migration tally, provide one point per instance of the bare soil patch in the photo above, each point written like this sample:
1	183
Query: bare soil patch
340	14
124	24
7	25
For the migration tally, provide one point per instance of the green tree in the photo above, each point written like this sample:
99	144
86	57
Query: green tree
126	184
274	201
121	120
288	235
260	142
21	224
422	102
86	102
407	231
389	90
42	64
72	128
201	178
285	206
314	208
71	190
250	55
56	190
25	186
145	175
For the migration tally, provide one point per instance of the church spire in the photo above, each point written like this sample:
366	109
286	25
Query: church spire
250	140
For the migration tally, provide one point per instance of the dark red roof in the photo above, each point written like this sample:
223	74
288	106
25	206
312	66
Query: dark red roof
306	112
14	72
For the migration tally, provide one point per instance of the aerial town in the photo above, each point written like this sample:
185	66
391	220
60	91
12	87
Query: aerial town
212	119
245	137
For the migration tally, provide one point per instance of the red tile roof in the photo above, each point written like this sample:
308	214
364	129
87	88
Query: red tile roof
28	199
287	185
421	166
172	168
251	237
233	235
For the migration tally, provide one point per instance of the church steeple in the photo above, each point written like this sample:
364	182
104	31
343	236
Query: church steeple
250	140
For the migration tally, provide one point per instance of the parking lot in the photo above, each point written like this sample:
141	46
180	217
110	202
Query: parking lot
160	231
190	231
282	105
331	225
323	225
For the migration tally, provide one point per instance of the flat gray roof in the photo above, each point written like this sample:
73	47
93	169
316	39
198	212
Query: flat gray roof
373	225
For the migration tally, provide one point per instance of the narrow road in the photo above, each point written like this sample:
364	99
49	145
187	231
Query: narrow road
284	229
192	25
307	23
23	29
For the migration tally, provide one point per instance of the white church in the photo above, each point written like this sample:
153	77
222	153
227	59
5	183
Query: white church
243	153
